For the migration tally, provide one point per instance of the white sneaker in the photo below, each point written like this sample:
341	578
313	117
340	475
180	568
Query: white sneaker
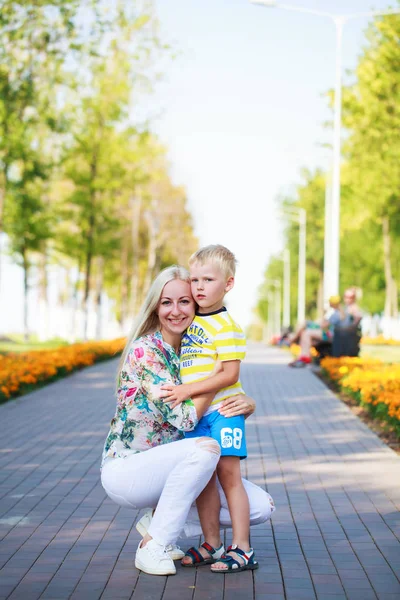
175	552
154	559
142	526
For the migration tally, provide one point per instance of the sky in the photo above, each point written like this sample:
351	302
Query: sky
242	110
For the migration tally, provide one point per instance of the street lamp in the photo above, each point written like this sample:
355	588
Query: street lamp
339	22
300	216
267	335
286	287
327	241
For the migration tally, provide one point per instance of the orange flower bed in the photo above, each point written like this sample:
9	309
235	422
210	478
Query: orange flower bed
379	341
295	350
23	371
338	368
373	383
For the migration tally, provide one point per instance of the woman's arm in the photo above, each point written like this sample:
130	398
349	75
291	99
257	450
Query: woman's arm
144	371
184	416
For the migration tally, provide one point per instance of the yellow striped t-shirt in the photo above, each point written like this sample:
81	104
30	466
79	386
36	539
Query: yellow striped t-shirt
209	338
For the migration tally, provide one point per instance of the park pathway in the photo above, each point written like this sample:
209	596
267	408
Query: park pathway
335	534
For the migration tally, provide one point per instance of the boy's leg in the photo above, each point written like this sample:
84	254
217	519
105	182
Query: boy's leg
208	503
230	433
229	475
228	471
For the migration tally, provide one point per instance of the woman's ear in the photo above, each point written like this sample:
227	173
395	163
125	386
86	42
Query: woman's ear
229	284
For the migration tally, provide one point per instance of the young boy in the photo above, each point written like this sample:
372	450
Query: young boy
214	336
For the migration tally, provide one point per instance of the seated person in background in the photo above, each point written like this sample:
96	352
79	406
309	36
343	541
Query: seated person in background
311	332
351	312
346	341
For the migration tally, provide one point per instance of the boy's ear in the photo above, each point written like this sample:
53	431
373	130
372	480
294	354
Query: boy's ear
229	284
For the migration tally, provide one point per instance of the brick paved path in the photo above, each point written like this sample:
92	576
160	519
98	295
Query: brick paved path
335	534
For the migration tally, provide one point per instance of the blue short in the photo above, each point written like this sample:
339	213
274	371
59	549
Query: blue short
229	432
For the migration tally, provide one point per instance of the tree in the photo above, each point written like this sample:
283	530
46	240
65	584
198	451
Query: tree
35	37
89	184
156	228
372	117
29	222
95	161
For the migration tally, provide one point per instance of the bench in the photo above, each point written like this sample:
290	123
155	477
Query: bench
345	342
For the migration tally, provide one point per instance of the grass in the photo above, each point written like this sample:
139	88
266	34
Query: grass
389	354
17	344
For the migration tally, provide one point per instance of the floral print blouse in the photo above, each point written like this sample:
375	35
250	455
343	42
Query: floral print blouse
142	420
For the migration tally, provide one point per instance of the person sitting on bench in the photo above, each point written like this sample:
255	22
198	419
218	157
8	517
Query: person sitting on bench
347	334
311	333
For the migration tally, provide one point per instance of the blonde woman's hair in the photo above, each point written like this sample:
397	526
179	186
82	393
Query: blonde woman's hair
220	256
147	320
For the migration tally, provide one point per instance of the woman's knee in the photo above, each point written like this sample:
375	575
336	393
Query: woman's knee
261	508
261	503
116	488
209	445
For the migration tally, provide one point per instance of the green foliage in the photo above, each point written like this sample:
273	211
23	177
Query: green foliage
81	181
310	196
370	187
372	149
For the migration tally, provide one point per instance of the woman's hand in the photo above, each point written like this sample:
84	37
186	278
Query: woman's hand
174	394
237	405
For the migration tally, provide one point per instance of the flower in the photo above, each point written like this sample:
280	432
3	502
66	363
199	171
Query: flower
372	382
139	352
22	372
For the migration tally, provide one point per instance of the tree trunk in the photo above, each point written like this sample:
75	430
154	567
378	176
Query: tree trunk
98	300
3	190
135	204
320	297
89	247
395	299
43	295
25	266
151	250
124	280
88	270
387	267
75	300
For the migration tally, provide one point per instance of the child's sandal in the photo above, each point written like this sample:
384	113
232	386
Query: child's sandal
198	559
233	565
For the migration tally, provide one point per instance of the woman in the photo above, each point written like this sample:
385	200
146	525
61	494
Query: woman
146	463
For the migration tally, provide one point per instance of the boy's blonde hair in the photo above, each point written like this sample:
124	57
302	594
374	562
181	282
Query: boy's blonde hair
220	256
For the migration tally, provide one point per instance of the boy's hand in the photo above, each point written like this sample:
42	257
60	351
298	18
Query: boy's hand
174	394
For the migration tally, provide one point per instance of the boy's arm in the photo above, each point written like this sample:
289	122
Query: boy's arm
228	375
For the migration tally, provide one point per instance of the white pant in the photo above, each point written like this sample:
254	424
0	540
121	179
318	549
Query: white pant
169	478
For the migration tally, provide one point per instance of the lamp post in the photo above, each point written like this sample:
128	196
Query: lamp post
300	215
339	21
327	240
285	257
286	287
271	313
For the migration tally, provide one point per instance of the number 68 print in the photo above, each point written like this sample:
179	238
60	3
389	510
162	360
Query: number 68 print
231	437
